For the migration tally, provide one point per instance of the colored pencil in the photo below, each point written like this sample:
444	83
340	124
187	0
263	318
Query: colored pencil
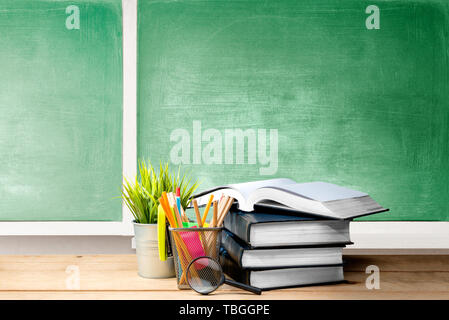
172	212
183	253
178	215
175	207
167	210
206	211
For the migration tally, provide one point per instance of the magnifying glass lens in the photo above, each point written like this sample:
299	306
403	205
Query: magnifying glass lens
204	275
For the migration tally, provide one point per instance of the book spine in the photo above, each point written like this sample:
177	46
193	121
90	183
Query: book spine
232	247
237	225
231	268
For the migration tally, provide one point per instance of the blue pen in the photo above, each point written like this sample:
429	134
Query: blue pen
178	204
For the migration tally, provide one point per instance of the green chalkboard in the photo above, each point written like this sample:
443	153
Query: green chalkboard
60	110
354	94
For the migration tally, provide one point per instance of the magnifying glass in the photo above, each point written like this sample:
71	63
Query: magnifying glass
205	275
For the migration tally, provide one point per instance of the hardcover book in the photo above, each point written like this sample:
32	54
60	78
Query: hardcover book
245	257
268	279
259	229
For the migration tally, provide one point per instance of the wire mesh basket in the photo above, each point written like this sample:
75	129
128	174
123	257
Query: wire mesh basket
190	243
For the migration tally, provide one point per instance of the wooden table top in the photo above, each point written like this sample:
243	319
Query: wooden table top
115	277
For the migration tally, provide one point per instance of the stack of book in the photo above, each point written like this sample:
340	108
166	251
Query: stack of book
283	234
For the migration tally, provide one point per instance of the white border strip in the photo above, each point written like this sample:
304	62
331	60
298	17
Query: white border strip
64	228
129	149
364	234
399	235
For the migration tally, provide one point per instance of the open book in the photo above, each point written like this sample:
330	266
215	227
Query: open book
316	198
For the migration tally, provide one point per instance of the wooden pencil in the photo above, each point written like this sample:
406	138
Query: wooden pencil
184	215
197	212
221	205
214	217
225	211
221	208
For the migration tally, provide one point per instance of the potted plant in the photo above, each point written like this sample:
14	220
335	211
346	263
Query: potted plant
141	197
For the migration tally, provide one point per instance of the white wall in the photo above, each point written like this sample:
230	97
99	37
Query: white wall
78	245
82	245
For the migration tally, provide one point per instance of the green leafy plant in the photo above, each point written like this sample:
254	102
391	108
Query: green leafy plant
142	195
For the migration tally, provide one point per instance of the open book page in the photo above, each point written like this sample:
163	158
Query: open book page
317	198
240	191
321	191
247	188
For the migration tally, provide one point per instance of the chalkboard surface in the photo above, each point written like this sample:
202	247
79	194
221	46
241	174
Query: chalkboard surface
354	92
60	110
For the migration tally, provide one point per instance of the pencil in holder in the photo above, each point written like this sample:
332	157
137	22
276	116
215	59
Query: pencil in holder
190	243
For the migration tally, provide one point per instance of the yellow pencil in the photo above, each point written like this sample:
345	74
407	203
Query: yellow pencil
206	211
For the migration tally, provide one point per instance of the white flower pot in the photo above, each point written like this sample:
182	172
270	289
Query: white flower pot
149	265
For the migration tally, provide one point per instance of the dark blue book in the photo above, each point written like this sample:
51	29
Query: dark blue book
261	258
267	279
262	229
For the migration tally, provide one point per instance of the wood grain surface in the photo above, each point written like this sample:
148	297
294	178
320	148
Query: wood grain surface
115	277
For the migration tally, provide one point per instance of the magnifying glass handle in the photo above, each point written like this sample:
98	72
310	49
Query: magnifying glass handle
243	286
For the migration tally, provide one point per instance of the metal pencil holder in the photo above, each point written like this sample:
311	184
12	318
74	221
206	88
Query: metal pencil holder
190	243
